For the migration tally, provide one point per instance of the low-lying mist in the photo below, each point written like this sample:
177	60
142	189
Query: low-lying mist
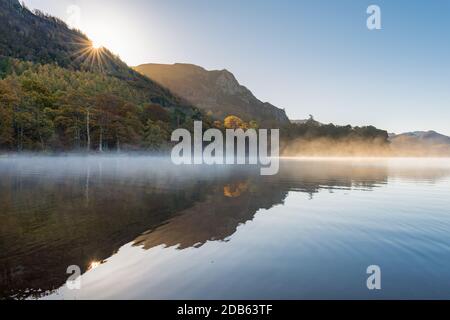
348	147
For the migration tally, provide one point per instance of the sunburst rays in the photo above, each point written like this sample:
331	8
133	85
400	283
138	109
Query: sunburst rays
94	56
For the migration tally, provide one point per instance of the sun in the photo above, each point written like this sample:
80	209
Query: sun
94	264
91	52
96	44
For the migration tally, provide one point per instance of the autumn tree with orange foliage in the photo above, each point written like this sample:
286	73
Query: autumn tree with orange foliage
233	122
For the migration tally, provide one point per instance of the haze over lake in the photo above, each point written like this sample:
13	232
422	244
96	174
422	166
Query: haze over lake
142	228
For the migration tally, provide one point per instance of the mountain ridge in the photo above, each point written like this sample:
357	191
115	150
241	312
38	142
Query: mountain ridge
419	143
217	92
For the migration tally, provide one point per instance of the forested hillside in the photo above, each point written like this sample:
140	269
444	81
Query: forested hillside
57	92
46	107
40	38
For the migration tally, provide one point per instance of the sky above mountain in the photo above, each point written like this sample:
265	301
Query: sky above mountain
310	57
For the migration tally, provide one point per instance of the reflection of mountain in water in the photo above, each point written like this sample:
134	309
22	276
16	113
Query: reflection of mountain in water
75	212
219	214
214	218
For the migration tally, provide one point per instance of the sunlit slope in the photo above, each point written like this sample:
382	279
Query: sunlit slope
216	92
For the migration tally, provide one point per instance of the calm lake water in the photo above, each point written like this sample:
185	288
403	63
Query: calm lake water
141	228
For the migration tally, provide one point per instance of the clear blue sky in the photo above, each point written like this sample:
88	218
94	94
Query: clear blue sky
309	57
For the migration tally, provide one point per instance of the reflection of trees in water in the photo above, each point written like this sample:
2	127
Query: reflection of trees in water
236	189
311	177
52	221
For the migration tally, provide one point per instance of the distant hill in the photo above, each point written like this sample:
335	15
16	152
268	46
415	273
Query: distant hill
216	92
420	143
427	137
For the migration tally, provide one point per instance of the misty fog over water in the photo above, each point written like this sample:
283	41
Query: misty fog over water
141	227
